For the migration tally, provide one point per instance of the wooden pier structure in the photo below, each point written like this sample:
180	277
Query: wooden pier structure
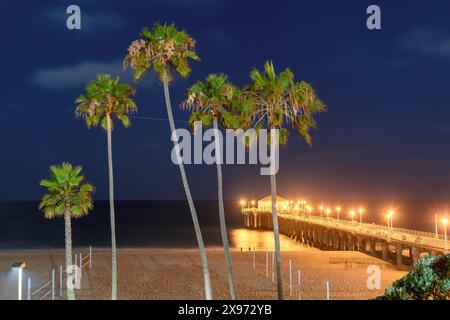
395	245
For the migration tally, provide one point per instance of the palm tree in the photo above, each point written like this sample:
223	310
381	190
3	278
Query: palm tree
279	101
167	50
105	99
67	196
211	100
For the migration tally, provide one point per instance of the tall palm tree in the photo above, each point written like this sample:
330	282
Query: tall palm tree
211	100
104	100
167	50
67	196
279	101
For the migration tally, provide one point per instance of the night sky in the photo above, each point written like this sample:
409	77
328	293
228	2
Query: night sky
385	133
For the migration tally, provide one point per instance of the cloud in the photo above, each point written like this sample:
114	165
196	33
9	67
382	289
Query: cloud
76	75
426	41
91	21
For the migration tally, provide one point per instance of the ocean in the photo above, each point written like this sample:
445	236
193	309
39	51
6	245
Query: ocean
168	224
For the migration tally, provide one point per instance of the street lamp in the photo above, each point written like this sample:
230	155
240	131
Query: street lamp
445	223
321	210
19	266
309	210
436	225
361	211
242	202
352	213
338	210
389	217
391	214
327	211
253	203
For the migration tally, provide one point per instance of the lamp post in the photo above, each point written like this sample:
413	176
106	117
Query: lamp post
391	213
338	210
321	211
327	211
445	222
243	202
360	211
389	217
436	225
19	266
352	213
253	203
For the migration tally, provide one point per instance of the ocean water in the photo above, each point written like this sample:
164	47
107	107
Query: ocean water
168	224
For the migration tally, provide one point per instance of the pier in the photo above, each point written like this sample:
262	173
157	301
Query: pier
395	245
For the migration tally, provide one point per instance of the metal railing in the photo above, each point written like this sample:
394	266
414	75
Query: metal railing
48	289
399	234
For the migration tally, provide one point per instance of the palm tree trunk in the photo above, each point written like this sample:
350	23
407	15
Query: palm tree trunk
112	214
198	233
276	231
223	226
68	236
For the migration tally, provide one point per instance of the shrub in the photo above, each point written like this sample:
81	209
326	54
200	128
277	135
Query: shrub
428	280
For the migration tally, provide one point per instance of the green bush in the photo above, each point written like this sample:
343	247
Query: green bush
428	280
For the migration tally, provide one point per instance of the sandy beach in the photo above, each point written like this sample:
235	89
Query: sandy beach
176	273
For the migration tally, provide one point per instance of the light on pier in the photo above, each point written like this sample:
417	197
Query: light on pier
360	211
352	214
338	210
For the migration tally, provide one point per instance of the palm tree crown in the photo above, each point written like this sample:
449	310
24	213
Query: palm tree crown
163	48
105	96
279	100
67	193
217	97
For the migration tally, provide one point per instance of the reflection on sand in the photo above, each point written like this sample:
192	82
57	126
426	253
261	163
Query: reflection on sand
245	238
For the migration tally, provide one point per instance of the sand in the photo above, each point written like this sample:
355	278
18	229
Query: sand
176	274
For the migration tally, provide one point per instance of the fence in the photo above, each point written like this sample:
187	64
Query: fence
322	291
47	290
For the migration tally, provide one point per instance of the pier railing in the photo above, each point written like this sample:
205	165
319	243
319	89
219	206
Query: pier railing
400	234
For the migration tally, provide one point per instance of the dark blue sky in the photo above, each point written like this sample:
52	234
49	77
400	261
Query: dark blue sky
385	133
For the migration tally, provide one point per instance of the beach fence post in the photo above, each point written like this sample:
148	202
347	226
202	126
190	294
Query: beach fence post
254	258
53	284
290	277
298	283
90	257
60	280
81	264
328	290
29	288
273	266
267	263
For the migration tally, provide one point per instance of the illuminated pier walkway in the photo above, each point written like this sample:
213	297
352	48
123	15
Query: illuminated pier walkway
396	245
